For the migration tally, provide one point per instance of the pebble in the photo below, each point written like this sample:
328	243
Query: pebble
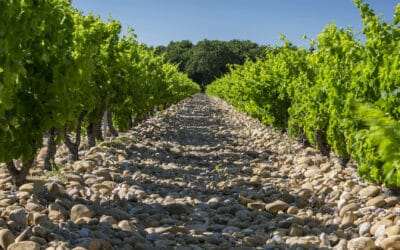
31	245
348	208
276	206
6	238
32	187
391	242
370	191
392	230
380	225
362	243
364	228
256	205
305	241
19	217
125	225
198	175
378	201
78	211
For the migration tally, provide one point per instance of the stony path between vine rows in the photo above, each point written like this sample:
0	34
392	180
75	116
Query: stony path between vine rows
198	176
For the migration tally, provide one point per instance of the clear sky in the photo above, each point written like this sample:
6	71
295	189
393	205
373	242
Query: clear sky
157	22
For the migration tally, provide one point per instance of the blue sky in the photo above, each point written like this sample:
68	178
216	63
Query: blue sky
157	22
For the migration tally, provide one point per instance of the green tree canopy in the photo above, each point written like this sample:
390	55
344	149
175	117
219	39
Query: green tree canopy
209	59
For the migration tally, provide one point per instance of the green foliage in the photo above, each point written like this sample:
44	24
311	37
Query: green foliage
261	88
209	59
380	141
245	49
57	64
38	71
312	92
57	171
178	53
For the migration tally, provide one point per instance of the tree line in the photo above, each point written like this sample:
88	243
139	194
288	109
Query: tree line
208	60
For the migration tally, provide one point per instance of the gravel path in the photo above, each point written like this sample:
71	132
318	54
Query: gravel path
198	176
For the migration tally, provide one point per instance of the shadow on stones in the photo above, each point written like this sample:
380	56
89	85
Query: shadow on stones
195	177
197	192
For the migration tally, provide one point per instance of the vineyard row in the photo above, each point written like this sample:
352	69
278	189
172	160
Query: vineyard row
342	95
61	70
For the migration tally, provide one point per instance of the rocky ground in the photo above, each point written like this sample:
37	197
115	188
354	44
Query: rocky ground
198	176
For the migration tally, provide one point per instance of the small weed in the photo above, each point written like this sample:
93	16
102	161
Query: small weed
288	150
57	170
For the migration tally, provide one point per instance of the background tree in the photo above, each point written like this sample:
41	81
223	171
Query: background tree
179	53
245	49
209	59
